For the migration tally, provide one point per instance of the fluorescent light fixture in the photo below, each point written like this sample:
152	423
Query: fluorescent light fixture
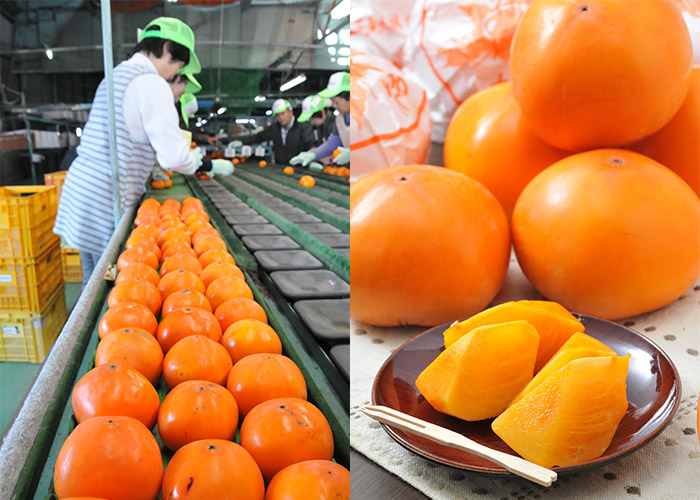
49	54
331	50
260	98
319	34
293	82
172	1
332	39
341	10
268	112
221	110
344	51
243	120
344	36
204	121
79	132
332	59
344	61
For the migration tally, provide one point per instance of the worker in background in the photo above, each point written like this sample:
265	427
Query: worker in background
289	137
339	91
322	120
147	129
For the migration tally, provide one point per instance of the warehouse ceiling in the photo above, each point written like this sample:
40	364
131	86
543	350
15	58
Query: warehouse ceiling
248	48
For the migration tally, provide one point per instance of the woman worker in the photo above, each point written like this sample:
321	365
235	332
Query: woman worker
339	91
146	120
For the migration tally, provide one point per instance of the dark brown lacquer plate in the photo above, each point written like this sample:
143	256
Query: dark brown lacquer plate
653	392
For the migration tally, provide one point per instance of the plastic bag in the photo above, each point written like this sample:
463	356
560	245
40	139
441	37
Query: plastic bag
457	48
390	116
380	28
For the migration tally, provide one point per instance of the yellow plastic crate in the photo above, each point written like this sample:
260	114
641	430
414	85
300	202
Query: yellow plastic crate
29	336
27	216
27	284
56	179
72	268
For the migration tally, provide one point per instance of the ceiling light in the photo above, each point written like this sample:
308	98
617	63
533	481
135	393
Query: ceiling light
260	98
204	121
221	110
293	82
49	54
344	51
332	39
268	112
331	50
344	36
344	61
319	34
79	131
341	10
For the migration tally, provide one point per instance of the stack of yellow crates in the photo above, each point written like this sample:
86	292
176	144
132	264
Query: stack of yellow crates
32	294
72	271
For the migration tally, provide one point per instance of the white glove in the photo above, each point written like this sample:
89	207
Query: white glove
344	156
235	144
158	174
315	166
304	158
221	167
197	154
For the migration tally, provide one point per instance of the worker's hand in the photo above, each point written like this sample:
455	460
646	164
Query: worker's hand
315	166
303	158
222	167
235	144
197	154
343	158
158	174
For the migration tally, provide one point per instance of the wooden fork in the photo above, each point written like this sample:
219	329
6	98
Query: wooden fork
446	437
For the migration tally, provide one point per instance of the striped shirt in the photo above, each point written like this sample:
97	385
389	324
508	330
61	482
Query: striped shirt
85	216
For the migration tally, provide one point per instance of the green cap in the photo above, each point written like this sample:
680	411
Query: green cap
188	107
310	105
176	31
280	105
338	82
192	86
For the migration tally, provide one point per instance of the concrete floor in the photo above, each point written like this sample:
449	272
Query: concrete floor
16	378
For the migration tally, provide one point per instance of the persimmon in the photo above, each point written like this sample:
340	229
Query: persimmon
134	348
147	219
136	290
127	315
262	164
218	269
146	229
284	431
170	216
167	245
288	170
115	390
182	323
488	140
169	182
676	146
137	254
234	310
260	377
197	358
149	204
307	181
250	336
156	184
216	256
177	247
184	298
180	279
171	204
138	270
197	225
213	469
209	242
172	222
585	227
137	237
203	233
174	233
581	85
113	457
195	410
179	261
150	245
225	288
399	218
319	479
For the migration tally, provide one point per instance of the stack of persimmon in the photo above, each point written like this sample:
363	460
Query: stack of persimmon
181	317
591	149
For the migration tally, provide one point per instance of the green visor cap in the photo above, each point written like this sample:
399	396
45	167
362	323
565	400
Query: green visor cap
338	82
174	30
280	105
192	86
311	105
188	107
